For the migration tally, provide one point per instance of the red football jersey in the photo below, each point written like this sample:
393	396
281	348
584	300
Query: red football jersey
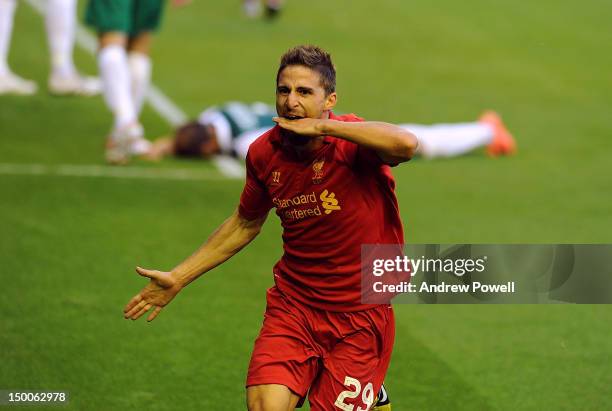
330	202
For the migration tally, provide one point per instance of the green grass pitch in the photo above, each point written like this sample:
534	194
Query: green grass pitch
68	245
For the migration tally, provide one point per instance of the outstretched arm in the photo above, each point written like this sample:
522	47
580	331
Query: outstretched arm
392	143
231	236
160	148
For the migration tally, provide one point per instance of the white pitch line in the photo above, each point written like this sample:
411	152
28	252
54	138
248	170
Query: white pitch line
93	170
161	103
232	168
166	108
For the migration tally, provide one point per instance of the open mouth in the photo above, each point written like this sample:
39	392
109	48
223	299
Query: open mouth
293	117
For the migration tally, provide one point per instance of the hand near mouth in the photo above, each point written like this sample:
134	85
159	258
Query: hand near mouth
312	127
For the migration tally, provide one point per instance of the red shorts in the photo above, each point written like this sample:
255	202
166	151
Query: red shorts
338	358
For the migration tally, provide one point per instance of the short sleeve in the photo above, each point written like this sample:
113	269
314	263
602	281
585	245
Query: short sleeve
254	200
363	157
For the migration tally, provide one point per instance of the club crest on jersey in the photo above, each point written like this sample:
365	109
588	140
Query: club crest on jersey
317	169
276	178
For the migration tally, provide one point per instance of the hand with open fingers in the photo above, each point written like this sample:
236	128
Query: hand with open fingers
158	293
304	126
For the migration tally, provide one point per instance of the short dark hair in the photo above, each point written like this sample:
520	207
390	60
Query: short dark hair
315	58
189	138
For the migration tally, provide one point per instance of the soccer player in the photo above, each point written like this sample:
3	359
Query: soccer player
329	179
231	128
227	129
125	30
60	18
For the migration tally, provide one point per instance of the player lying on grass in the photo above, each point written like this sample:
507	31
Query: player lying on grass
318	339
232	127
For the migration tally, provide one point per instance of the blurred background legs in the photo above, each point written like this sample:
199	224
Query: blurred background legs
10	83
64	79
255	8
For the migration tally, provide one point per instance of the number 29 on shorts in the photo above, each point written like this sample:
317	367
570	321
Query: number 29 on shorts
367	395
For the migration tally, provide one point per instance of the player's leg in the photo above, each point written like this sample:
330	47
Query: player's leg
140	67
64	79
116	86
10	82
145	19
7	15
271	397
60	24
114	71
450	140
273	8
353	372
285	357
113	21
251	8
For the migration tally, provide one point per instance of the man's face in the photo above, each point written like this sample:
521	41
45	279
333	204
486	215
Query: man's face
299	94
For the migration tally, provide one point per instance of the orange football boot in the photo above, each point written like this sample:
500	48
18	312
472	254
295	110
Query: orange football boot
503	143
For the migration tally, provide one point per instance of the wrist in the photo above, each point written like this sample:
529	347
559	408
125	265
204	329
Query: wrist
325	127
180	279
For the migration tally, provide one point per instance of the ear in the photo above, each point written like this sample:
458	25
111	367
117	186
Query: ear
330	101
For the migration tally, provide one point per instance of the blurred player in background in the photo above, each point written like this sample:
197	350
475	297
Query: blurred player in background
455	139
253	8
64	79
231	128
228	129
329	179
125	30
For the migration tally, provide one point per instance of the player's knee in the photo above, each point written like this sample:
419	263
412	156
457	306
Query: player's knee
113	38
141	43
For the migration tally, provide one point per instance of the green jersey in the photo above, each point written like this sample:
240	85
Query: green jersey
233	119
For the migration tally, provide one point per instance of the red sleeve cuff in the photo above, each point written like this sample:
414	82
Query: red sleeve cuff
251	214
